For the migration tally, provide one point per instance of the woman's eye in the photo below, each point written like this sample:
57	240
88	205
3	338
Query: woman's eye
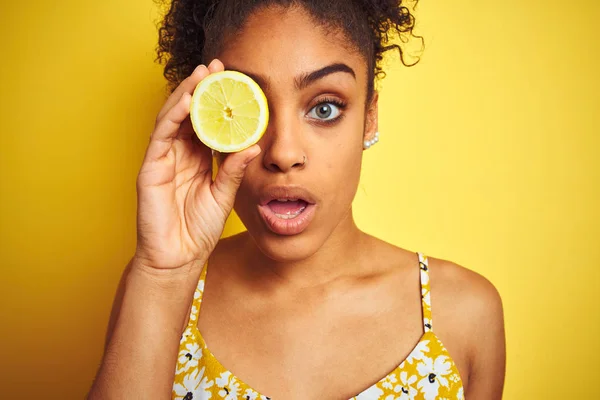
324	111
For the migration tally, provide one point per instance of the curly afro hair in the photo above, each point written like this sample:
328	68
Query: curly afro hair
193	31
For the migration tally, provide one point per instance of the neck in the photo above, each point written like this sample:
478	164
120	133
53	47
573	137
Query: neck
339	256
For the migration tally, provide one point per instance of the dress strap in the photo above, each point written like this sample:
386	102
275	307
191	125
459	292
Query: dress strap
425	292
195	311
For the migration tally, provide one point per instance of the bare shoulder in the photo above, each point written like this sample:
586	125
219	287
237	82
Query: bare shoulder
468	317
461	289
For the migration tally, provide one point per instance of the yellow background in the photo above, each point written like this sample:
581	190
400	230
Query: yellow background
488	157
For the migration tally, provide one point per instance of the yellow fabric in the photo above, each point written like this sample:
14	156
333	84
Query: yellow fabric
428	373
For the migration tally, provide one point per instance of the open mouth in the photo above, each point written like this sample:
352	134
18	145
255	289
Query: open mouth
286	214
287	208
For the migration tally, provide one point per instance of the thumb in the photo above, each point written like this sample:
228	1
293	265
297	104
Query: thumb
230	175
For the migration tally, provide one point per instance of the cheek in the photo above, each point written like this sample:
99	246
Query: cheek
342	172
246	199
246	185
340	167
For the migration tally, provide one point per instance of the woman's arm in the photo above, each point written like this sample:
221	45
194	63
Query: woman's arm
181	214
150	309
488	351
117	303
468	316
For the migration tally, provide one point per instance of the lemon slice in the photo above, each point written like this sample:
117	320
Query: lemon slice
229	111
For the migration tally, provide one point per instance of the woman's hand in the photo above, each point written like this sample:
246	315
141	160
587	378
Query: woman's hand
181	211
181	215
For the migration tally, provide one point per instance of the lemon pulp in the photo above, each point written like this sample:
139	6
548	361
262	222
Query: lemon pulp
229	111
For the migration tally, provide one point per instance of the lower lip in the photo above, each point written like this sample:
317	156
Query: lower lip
288	227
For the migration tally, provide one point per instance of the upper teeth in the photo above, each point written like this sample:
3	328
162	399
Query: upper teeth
284	200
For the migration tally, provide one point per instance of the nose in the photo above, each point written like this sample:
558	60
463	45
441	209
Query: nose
283	146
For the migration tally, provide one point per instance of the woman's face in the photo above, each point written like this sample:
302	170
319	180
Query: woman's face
297	194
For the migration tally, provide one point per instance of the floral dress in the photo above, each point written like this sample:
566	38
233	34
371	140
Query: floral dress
428	373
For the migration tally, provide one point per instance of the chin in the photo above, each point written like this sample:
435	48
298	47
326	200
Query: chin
287	249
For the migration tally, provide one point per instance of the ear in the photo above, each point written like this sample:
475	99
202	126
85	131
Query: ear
372	118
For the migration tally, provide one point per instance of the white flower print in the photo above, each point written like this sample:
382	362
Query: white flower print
460	395
195	387
230	389
389	381
433	375
372	393
187	333
189	357
427	324
418	352
198	292
194	313
427	298
424	278
406	388
250	395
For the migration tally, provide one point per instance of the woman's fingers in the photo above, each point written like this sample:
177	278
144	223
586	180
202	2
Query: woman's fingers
173	120
230	175
189	84
186	130
167	128
216	66
186	86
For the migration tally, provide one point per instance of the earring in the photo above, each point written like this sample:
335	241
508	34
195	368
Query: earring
369	143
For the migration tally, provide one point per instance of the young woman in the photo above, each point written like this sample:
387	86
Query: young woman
304	305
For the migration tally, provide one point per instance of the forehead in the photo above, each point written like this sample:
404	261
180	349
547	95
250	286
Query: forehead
282	43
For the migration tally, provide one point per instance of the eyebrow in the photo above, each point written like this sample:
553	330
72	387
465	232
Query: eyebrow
304	80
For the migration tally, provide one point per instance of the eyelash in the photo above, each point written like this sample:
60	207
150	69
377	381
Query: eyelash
336	102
